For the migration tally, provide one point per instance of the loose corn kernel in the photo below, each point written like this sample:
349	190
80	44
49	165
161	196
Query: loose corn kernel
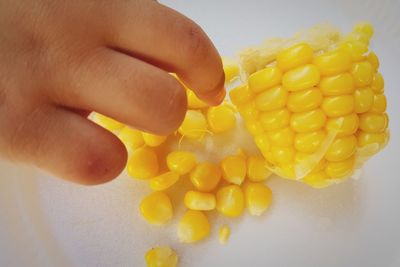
363	100
340	169
317	180
131	138
234	169
356	49
301	78
294	56
254	127
249	111
156	208
161	257
153	140
205	176
263	143
308	121
231	69
273	98
164	181
108	123
332	63
224	234
365	138
257	169
341	84
309	142
143	163
373	59
264	79
240	94
230	201
194	125
283	155
341	148
335	106
379	105
305	100
193	101
373	123
276	119
258	198
377	83
363	73
193	227
282	137
181	161
346	125
221	118
199	201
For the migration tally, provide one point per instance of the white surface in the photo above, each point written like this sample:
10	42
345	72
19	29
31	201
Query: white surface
48	222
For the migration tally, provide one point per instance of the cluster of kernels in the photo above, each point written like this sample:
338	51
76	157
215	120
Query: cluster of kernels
161	257
293	106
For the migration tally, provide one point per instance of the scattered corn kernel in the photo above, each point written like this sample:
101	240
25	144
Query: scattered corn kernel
164	181
258	198
156	208
153	140
143	163
205	176
230	201
131	138
221	118
181	161
264	79
294	56
257	169
199	201
193	227
234	169
161	257
194	125
224	234
301	78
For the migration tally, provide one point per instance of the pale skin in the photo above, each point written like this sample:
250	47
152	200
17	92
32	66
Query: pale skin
61	60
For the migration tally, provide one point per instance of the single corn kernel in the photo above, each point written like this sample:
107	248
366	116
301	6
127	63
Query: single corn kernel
294	56
205	176
194	125
240	94
377	83
181	161
317	180
234	169
257	169
231	69
283	155
341	84
374	60
308	121
230	201
364	28
346	125
309	142
341	148
365	138
249	111
258	198
153	140
143	163
224	234
264	79
363	100
276	119
156	208
193	227
221	118
287	171
193	101
357	37
333	63
263	143
164	181
356	49
254	127
305	100
379	105
335	106
199	201
108	123
282	137
161	257
373	123
363	73
300	157
341	168
273	98
131	138
301	78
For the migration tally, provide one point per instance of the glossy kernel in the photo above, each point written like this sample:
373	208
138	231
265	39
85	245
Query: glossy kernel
356	49
257	169
283	155
193	227
340	169
131	138
341	148
143	163
254	127
234	169
333	63
263	143
373	122
193	101
230	201
294	56
240	94
181	161
249	111
305	100
276	119
153	140
341	84
199	201
282	137
362	73
205	176
301	78
156	208
317	180
335	106
374	60
309	142
258	198
221	118
378	83
379	105
365	138
273	98
194	125
363	100
264	79
364	28
164	181
161	257
231	69
308	121
346	125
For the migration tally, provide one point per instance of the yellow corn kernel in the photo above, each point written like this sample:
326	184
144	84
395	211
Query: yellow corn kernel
374	60
365	138
156	208
221	118
294	56
335	106
287	171
364	28
346	125
231	69
333	63
264	79
161	257
357	37
282	137
143	163
257	169
108	123
308	121
379	105
373	123
240	94
224	234
193	101
305	100
363	100
301	78
230	201
317	180
363	73
254	127
205	176
164	181
377	83
273	98
258	198
356	49
309	142
341	84
194	125
276	119
300	157
283	155
249	111
234	169
263	143
193	227
181	161
153	140
341	148
199	201
131	138
341	168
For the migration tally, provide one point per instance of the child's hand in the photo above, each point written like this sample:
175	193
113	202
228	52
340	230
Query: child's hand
59	60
